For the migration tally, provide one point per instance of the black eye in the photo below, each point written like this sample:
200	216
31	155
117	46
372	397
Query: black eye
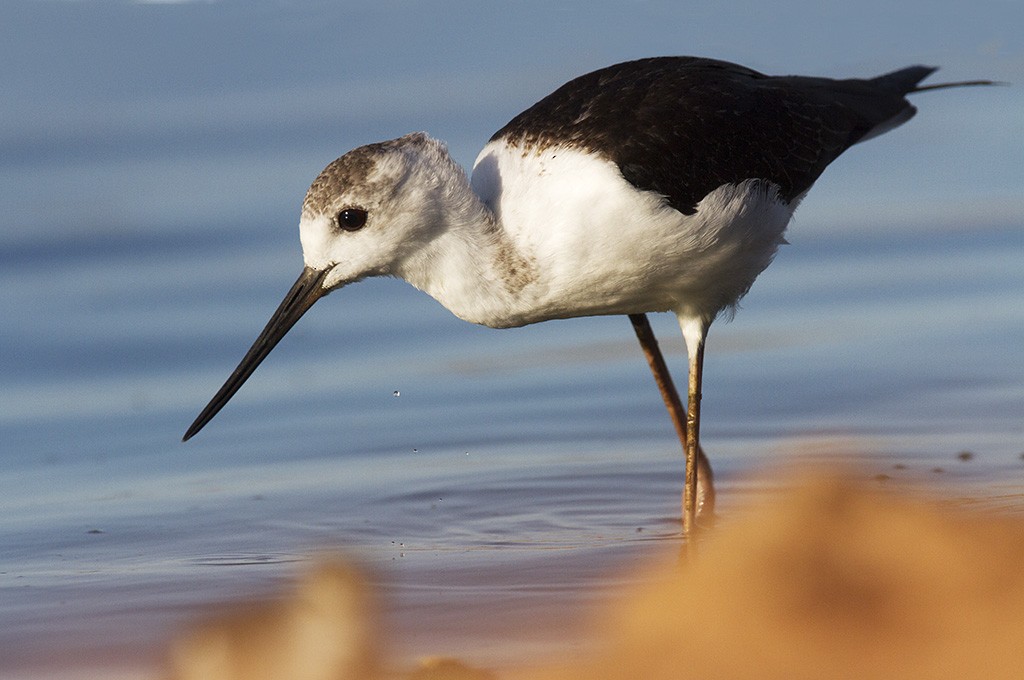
352	219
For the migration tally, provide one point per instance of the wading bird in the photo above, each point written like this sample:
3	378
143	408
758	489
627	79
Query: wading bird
657	185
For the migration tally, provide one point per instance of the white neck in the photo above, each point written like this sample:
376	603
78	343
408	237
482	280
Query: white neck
469	265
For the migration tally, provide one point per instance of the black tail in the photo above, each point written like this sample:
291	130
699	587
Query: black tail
905	81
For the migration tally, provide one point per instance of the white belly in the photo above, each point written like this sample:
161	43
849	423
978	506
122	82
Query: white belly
600	246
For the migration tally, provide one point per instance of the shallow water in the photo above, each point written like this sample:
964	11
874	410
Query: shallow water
496	483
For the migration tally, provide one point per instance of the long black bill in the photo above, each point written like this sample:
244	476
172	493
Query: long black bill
307	290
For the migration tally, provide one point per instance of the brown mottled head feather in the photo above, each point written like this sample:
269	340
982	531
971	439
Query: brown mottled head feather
355	169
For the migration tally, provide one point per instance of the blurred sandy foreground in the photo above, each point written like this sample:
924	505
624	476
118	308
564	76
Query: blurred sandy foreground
829	580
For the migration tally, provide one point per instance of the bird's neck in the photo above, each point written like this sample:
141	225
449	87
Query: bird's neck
470	264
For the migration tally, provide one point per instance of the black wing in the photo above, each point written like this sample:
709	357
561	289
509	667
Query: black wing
683	126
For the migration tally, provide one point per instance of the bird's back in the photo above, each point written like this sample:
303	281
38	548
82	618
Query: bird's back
684	126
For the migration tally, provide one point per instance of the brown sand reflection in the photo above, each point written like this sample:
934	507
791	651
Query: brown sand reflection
831	579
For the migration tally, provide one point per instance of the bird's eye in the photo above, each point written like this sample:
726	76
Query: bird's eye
352	219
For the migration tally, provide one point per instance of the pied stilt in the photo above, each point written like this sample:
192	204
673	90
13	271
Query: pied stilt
662	184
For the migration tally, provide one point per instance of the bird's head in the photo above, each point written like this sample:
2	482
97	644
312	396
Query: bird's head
362	216
369	209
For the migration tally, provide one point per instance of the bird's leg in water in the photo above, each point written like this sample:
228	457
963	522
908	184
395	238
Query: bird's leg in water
694	333
705	492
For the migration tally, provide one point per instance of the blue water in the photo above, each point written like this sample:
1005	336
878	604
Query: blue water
491	464
150	189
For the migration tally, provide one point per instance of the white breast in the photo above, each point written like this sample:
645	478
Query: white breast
601	246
